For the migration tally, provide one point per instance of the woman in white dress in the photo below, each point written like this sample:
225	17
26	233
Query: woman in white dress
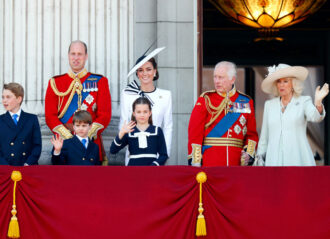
283	140
161	100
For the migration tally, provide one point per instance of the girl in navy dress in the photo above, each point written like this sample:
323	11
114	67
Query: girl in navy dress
146	142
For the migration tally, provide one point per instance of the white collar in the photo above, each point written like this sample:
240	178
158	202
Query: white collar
80	138
18	113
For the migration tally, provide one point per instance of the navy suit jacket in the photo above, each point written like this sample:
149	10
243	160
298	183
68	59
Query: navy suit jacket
74	153
19	143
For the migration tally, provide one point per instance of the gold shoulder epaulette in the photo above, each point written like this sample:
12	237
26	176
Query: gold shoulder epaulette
244	94
207	92
96	74
58	76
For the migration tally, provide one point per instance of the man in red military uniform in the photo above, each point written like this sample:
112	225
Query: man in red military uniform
78	90
222	126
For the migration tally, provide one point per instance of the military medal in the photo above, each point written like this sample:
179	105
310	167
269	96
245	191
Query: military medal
89	99
83	107
237	129
242	120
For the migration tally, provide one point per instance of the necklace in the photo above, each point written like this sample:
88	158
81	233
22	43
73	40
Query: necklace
283	107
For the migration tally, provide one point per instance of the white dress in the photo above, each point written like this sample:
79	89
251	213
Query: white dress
161	111
283	140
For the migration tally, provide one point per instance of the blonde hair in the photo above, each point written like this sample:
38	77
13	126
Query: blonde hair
298	87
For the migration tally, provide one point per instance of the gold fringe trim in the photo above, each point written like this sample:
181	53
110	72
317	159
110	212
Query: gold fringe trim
216	111
74	87
201	223
13	229
93	131
196	154
212	141
251	147
63	132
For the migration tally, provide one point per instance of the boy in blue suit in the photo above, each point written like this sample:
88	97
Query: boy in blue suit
20	141
78	150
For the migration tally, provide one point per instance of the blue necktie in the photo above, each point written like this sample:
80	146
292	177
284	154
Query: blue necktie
15	116
84	141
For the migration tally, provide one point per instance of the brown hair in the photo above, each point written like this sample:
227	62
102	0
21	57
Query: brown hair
142	101
15	88
82	116
154	64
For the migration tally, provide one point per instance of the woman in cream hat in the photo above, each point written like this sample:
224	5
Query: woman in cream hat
283	140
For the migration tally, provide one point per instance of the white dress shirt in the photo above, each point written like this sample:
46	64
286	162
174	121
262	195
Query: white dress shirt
18	114
80	138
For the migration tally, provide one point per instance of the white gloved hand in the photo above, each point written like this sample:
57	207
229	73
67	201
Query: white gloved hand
196	165
259	161
320	94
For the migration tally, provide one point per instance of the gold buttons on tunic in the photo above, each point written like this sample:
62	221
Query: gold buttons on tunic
23	153
12	155
229	134
83	159
92	159
23	142
11	143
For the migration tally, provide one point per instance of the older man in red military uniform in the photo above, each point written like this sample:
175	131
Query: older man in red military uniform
78	90
222	126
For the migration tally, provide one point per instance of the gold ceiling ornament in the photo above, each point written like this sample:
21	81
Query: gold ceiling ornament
267	15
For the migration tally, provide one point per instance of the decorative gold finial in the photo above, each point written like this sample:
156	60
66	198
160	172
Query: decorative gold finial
201	223
201	177
13	229
16	176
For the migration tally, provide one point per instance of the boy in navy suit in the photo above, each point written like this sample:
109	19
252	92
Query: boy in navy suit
20	141
78	150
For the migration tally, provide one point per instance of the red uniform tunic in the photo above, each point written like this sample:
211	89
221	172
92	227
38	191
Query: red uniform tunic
61	93
220	127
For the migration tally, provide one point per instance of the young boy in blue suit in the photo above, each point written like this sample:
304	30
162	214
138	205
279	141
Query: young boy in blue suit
78	150
20	140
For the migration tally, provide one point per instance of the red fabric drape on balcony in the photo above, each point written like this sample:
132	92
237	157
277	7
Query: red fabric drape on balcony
161	202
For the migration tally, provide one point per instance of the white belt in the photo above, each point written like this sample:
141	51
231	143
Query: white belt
143	156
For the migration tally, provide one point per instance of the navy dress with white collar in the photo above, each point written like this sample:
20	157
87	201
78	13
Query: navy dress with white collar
145	147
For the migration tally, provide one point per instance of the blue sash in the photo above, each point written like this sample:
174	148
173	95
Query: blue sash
226	122
90	81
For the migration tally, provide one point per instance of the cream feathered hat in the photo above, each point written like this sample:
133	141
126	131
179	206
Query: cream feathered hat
282	71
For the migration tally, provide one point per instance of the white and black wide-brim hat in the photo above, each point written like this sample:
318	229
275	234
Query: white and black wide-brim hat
282	71
143	59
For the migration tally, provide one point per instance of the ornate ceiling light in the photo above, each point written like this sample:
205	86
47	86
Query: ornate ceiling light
268	15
